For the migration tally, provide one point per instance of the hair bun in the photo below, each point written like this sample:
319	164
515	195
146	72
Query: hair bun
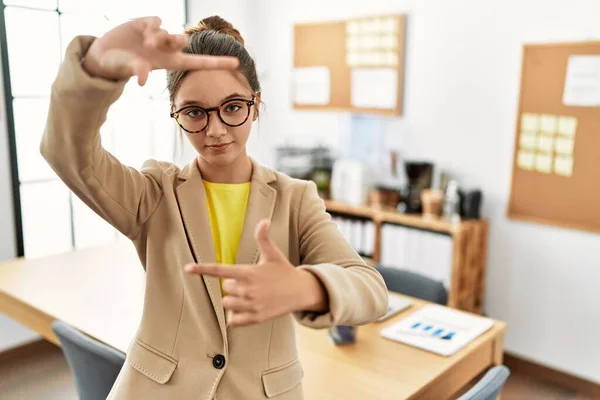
217	24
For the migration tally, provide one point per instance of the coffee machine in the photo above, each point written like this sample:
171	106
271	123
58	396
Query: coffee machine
420	176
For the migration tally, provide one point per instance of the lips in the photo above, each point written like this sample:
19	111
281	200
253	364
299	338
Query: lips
220	146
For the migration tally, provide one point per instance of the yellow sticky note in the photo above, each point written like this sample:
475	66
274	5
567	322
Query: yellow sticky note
369	26
391	58
567	126
565	146
390	41
563	166
529	122
365	42
548	124
352	27
543	163
390	25
364	27
528	140
526	160
352	43
378	25
353	59
544	143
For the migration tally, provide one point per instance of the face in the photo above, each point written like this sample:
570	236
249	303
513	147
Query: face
218	144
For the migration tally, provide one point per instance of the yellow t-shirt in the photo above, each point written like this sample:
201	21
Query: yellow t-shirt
227	204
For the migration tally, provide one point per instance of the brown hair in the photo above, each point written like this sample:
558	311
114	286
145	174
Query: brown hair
216	37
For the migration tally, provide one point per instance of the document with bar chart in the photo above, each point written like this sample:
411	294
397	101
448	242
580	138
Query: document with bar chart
437	329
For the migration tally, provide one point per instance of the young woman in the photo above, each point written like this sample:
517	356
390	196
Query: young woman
233	251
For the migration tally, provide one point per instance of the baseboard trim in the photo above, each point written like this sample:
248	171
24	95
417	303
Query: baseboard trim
543	373
26	350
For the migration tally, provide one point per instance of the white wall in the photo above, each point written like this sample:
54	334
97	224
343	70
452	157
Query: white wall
462	84
11	333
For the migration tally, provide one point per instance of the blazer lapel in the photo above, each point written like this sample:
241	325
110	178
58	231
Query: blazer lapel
261	204
191	197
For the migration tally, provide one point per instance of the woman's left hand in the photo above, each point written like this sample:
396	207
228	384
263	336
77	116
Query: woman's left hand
269	289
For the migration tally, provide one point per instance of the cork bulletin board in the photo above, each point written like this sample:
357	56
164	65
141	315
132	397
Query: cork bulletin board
556	165
354	65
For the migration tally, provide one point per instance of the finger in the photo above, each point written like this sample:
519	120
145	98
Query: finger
238	320
178	42
218	270
188	62
145	23
158	40
150	23
238	305
268	249
231	286
141	69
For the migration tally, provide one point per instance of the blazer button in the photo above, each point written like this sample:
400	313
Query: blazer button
219	361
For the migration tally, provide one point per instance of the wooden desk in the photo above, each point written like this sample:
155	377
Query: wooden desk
100	291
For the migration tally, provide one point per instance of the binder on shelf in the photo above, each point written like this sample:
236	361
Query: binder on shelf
369	237
419	251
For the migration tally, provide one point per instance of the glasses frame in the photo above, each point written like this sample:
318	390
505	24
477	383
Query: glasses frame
249	103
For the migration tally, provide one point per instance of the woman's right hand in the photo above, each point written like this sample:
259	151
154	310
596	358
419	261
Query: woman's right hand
139	46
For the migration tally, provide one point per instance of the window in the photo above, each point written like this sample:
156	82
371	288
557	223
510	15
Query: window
52	219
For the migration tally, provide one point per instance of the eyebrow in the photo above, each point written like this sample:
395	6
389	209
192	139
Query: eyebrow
197	103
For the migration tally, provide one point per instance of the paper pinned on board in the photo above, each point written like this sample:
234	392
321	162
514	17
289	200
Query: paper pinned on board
565	146
582	84
528	140
526	160
563	166
529	122
545	144
548	124
312	86
567	126
374	88
543	163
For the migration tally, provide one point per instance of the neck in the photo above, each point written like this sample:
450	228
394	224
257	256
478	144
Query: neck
239	171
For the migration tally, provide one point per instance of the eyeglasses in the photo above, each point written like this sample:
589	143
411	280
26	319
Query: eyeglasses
194	119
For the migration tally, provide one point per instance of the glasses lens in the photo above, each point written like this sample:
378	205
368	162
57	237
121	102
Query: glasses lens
193	119
234	112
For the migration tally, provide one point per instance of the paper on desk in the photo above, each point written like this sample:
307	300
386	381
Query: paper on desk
374	88
425	327
312	86
582	85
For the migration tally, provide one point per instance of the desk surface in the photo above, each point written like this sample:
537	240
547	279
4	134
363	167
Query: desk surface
99	289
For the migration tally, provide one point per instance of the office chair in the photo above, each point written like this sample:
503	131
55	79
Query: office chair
488	387
413	284
94	365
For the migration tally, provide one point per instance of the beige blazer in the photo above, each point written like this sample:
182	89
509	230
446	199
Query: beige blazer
183	348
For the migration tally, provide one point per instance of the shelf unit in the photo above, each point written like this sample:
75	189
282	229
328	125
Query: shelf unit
469	238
